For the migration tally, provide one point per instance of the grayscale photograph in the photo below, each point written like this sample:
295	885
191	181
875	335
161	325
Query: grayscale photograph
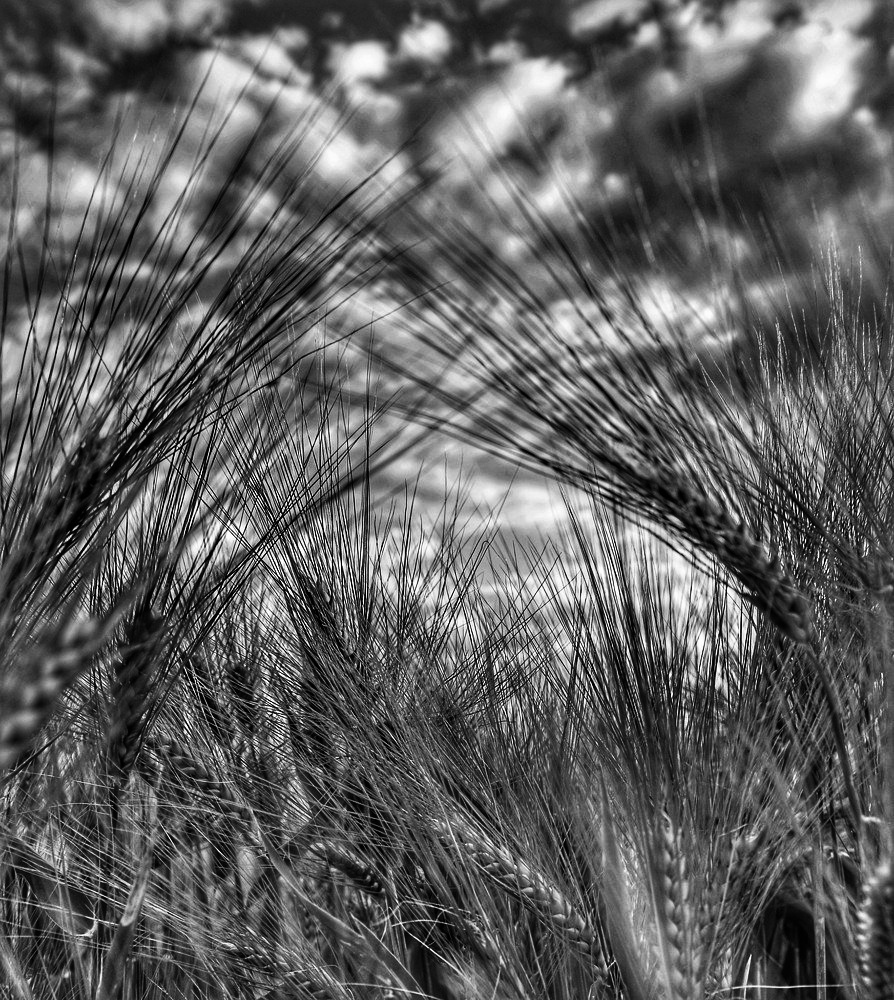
446	500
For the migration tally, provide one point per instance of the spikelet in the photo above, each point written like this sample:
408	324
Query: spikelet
515	876
43	671
876	934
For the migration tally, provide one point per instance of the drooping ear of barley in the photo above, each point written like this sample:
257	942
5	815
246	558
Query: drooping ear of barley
613	421
296	978
52	509
764	581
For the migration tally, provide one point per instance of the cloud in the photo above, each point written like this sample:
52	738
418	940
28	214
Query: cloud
139	26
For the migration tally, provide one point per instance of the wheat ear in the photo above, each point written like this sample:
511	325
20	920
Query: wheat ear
680	944
180	762
132	688
513	875
307	983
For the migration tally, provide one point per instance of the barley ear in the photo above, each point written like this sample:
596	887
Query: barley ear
304	983
765	583
348	936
